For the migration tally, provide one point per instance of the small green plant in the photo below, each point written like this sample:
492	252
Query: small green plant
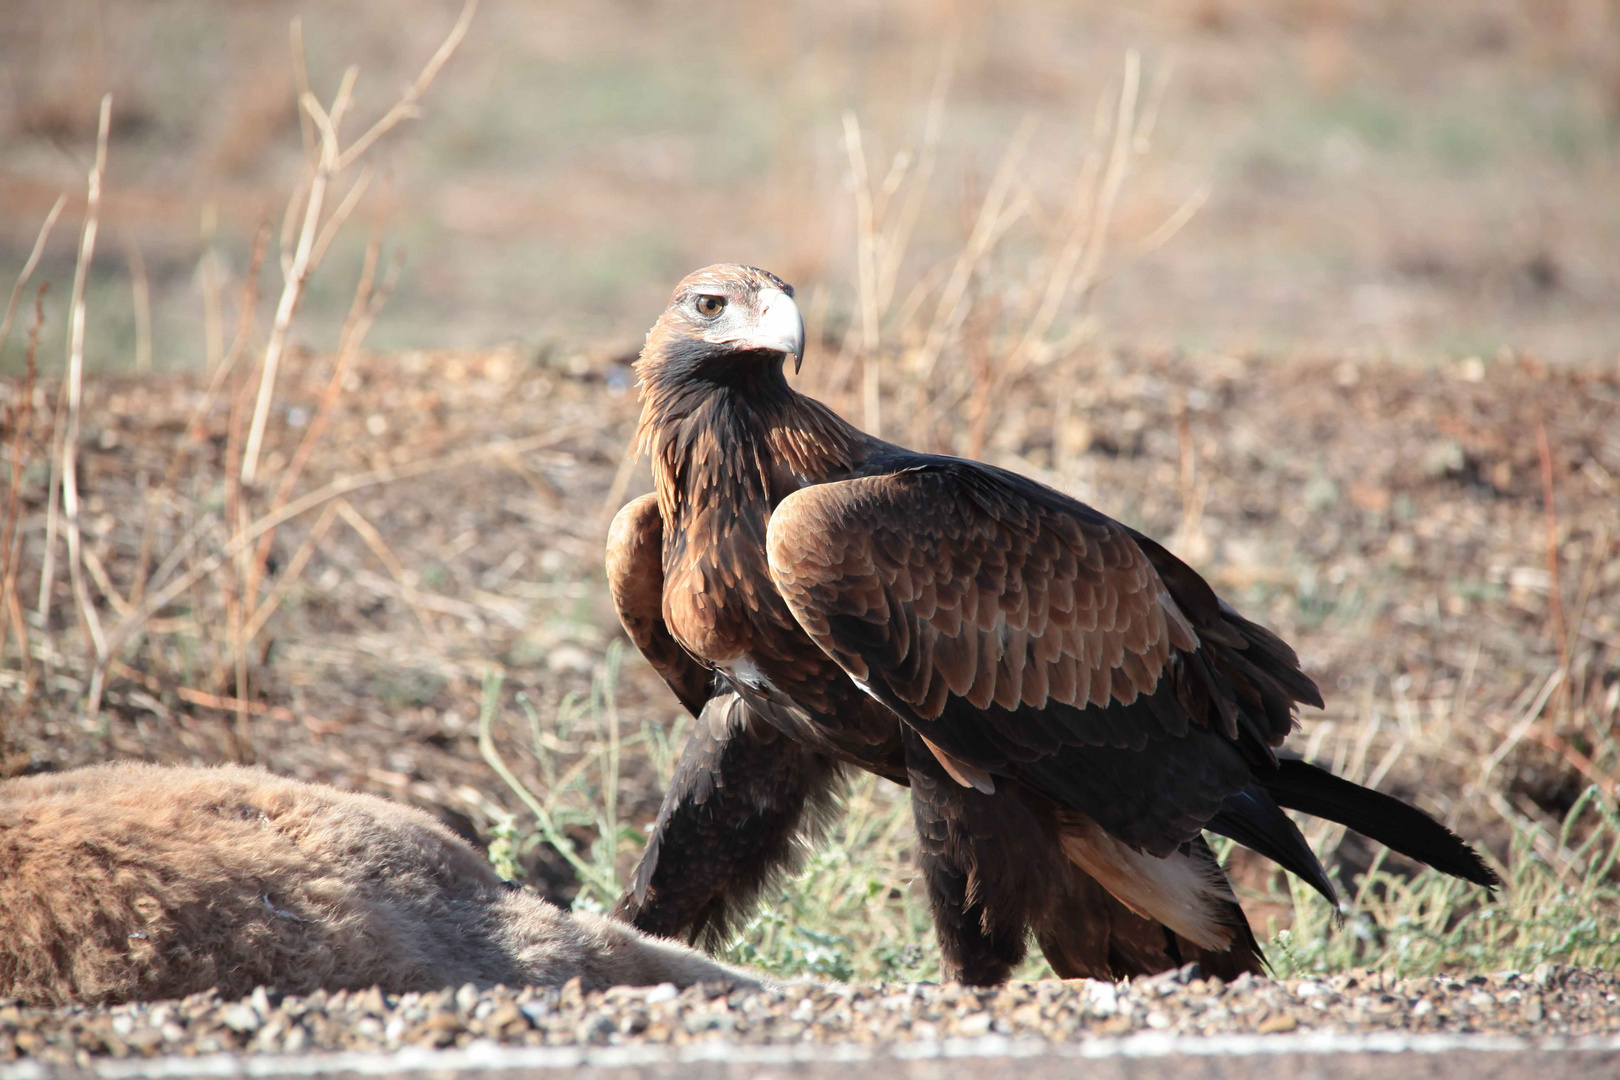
578	754
854	912
1565	909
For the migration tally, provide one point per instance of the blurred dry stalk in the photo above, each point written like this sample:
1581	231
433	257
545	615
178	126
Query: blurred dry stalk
209	278
19	419
75	399
897	348
326	161
141	299
29	266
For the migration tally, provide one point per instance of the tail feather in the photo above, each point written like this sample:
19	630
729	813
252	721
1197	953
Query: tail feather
1301	786
1253	818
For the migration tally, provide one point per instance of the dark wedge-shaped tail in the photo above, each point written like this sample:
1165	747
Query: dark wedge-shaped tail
1253	818
1299	785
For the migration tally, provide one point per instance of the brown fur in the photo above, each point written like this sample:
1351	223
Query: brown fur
130	882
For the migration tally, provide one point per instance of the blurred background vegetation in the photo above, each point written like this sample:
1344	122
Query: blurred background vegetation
1411	180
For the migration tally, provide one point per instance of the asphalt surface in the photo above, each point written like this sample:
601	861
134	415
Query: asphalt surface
1145	1056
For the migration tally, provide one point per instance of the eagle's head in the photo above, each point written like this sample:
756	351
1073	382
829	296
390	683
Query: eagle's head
724	321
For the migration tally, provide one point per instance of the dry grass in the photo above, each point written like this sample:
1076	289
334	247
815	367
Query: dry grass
254	507
384	571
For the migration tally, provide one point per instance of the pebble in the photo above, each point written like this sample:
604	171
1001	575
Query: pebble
1551	1000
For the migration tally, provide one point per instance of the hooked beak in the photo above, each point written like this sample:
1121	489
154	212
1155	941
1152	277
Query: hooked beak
780	328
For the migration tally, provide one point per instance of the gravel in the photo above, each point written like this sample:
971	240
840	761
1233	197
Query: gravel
1550	1001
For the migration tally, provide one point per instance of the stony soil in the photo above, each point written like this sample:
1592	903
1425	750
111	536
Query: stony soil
1549	1001
1388	522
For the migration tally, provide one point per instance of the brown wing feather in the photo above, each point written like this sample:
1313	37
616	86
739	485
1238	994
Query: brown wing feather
1022	633
635	573
1012	605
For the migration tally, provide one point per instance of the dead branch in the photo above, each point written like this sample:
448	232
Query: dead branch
1555	593
327	160
75	383
141	298
21	420
29	266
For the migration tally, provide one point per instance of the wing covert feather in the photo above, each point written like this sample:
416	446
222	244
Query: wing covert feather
935	586
1025	639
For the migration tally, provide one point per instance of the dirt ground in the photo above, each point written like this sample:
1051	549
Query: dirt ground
1390	523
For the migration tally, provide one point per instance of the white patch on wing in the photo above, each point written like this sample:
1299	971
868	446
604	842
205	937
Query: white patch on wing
743	670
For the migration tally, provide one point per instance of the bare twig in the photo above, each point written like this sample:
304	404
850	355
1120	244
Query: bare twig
1189	533
1075	271
296	275
191	432
232	584
247	308
986	379
987	228
48	569
53	504
141	298
1554	592
362	313
75	382
289	216
405	107
213	320
171	562
1172	224
301	82
341	215
29	267
897	237
98	571
21	420
207	700
328	159
1582	764
1528	721
385	555
289	577
866	270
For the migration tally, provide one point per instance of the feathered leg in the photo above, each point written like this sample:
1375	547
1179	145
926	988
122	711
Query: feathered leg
987	861
741	796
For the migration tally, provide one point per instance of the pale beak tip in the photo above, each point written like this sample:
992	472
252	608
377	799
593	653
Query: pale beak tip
783	324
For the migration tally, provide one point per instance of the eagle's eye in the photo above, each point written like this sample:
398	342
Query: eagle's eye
710	306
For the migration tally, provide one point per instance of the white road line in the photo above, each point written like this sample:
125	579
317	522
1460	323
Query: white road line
486	1055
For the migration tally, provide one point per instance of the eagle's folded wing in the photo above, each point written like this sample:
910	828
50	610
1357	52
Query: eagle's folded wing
1025	635
635	572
